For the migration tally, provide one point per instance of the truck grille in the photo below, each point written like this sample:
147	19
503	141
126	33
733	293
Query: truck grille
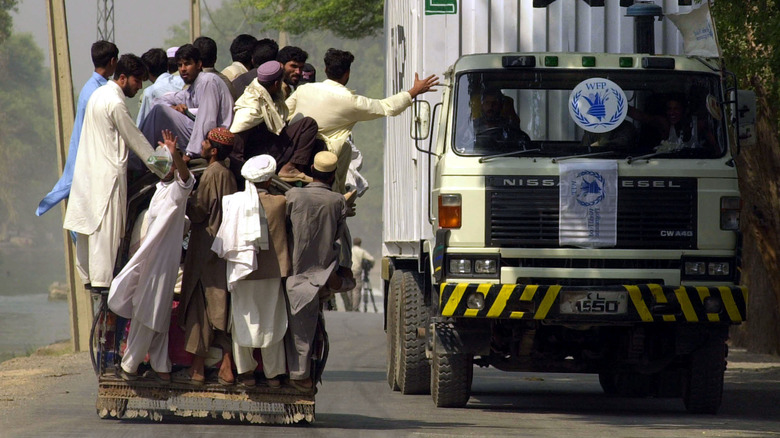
657	213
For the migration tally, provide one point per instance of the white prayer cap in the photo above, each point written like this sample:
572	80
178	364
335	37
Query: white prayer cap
171	52
259	168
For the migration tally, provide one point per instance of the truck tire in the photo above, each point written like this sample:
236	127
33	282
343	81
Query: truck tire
703	391
451	376
413	371
392	334
608	382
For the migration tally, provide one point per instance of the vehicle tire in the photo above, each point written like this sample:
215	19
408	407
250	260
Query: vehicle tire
413	371
704	381
608	382
392	334
451	377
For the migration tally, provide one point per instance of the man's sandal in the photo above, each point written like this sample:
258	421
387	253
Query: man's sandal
183	376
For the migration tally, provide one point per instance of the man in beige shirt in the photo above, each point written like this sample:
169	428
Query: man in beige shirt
337	109
241	54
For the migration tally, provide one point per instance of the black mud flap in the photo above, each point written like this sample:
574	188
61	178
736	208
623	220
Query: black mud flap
454	338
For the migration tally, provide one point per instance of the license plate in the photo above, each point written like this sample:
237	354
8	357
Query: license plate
594	303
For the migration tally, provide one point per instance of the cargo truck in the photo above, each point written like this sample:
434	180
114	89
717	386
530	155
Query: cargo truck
568	202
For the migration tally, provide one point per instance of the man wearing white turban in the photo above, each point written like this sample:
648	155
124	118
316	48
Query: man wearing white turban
253	241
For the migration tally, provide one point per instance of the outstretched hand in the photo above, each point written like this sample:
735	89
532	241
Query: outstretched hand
169	141
423	85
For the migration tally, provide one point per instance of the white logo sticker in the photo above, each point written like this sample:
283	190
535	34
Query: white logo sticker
598	105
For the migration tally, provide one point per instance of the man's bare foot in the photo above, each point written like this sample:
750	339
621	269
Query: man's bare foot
225	375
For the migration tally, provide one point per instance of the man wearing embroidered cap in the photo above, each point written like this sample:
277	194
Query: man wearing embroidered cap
317	217
260	122
253	240
204	302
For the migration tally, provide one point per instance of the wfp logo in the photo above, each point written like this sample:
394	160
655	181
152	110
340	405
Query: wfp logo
588	188
597	105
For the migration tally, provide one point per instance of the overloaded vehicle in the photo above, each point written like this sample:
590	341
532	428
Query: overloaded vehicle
151	400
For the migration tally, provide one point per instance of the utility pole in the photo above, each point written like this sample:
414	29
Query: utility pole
79	301
194	19
105	20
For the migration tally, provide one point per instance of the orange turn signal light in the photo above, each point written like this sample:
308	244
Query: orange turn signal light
450	212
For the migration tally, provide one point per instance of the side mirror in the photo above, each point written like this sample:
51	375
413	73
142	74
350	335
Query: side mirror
421	120
745	113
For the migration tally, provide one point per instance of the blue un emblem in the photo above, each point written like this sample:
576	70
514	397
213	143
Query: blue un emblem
588	188
598	105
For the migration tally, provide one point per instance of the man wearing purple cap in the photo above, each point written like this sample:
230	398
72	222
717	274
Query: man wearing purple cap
193	112
261	127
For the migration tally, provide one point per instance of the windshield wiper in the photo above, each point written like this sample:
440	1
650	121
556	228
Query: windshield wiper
592	154
507	154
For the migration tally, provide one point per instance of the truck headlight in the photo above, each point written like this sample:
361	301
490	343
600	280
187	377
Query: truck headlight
729	212
706	268
718	268
460	266
485	266
695	268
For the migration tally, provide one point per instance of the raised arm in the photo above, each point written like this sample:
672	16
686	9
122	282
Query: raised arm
169	141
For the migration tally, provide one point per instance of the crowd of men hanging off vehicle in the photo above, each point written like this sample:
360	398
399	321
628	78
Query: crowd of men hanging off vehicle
257	265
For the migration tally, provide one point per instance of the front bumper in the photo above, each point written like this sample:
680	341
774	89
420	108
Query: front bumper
645	303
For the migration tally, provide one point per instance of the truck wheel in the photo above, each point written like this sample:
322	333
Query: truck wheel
704	381
451	376
413	370
608	382
392	335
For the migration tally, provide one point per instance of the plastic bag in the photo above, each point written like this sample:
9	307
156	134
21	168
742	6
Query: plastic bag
160	161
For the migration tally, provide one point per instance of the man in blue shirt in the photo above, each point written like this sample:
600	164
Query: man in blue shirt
104	58
163	82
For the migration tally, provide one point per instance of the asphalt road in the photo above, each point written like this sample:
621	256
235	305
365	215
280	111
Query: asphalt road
355	401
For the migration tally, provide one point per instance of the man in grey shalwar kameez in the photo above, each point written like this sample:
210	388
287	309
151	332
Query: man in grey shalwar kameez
317	216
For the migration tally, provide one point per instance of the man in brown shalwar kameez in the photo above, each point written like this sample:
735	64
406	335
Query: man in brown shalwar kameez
317	216
204	308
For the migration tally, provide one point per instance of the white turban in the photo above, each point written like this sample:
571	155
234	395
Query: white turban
253	224
258	169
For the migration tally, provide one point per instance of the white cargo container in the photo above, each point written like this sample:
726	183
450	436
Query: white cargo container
428	36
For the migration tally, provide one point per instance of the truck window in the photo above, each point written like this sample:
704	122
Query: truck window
673	113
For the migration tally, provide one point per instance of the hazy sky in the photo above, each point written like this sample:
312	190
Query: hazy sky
138	26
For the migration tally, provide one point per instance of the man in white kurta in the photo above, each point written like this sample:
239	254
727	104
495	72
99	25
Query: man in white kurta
253	240
143	290
337	109
98	196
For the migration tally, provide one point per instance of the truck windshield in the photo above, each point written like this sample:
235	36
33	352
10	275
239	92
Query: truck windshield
670	114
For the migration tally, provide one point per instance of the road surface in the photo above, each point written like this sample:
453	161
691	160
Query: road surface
355	401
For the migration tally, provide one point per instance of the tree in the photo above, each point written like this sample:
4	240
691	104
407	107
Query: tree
6	22
352	19
749	34
26	134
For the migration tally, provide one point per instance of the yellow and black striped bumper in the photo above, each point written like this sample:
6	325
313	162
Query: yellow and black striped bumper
646	302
